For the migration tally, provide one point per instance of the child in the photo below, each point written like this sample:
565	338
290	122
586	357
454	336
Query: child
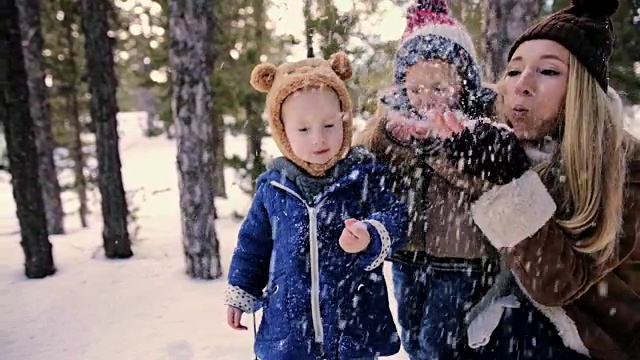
443	270
321	224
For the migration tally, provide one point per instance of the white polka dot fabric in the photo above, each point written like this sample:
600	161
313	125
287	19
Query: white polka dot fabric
386	244
240	299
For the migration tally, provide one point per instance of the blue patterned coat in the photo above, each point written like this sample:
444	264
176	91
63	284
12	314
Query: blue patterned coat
318	301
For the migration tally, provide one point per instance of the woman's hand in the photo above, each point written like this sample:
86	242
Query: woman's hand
488	151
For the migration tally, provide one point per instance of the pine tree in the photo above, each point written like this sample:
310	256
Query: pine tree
20	138
469	13
104	107
32	34
69	89
190	57
626	53
505	20
68	97
253	102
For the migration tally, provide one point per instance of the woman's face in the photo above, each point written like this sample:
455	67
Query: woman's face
534	88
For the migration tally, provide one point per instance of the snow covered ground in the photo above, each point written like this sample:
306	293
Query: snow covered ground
143	308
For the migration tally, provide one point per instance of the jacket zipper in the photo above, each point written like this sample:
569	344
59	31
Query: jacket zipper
316	315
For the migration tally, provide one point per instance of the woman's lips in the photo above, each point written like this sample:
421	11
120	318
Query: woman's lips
320	152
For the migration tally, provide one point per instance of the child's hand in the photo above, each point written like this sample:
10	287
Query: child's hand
355	236
234	317
398	127
442	125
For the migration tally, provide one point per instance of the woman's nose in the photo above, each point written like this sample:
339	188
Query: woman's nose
526	84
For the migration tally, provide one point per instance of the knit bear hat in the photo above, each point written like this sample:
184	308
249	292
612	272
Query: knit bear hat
585	29
431	33
282	81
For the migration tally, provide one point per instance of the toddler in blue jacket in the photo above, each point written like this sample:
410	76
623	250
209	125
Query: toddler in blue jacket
323	219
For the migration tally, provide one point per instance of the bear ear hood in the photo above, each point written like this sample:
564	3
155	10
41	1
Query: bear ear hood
341	65
262	77
282	81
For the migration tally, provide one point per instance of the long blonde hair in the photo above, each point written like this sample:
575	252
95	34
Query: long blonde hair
592	164
366	136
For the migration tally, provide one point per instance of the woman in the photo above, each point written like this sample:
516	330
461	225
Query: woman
568	228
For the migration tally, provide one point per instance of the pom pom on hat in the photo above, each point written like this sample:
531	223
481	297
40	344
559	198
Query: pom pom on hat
597	8
431	17
429	13
436	6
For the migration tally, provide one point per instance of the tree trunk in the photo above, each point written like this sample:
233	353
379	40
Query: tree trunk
23	154
254	131
330	28
191	60
255	124
218	140
77	155
308	27
146	101
504	21
469	13
104	107
73	112
32	50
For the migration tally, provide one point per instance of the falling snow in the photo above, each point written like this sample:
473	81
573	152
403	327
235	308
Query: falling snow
142	308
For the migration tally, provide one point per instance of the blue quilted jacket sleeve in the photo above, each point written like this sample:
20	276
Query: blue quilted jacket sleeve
249	270
387	224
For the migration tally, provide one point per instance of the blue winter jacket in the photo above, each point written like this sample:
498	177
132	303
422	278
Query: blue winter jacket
319	302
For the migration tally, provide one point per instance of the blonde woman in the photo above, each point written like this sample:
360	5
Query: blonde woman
567	228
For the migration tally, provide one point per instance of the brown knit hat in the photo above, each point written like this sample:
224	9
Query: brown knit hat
585	29
282	81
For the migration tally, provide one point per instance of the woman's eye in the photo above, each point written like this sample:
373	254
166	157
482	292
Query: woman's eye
329	126
549	72
303	129
513	72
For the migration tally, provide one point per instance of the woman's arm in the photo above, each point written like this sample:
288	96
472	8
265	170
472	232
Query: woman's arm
518	218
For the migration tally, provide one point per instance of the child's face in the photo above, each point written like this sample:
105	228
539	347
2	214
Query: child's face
313	124
433	84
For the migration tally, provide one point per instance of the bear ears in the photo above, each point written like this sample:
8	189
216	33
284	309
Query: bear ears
341	65
263	75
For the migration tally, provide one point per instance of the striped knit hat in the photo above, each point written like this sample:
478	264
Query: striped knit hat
431	33
431	17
